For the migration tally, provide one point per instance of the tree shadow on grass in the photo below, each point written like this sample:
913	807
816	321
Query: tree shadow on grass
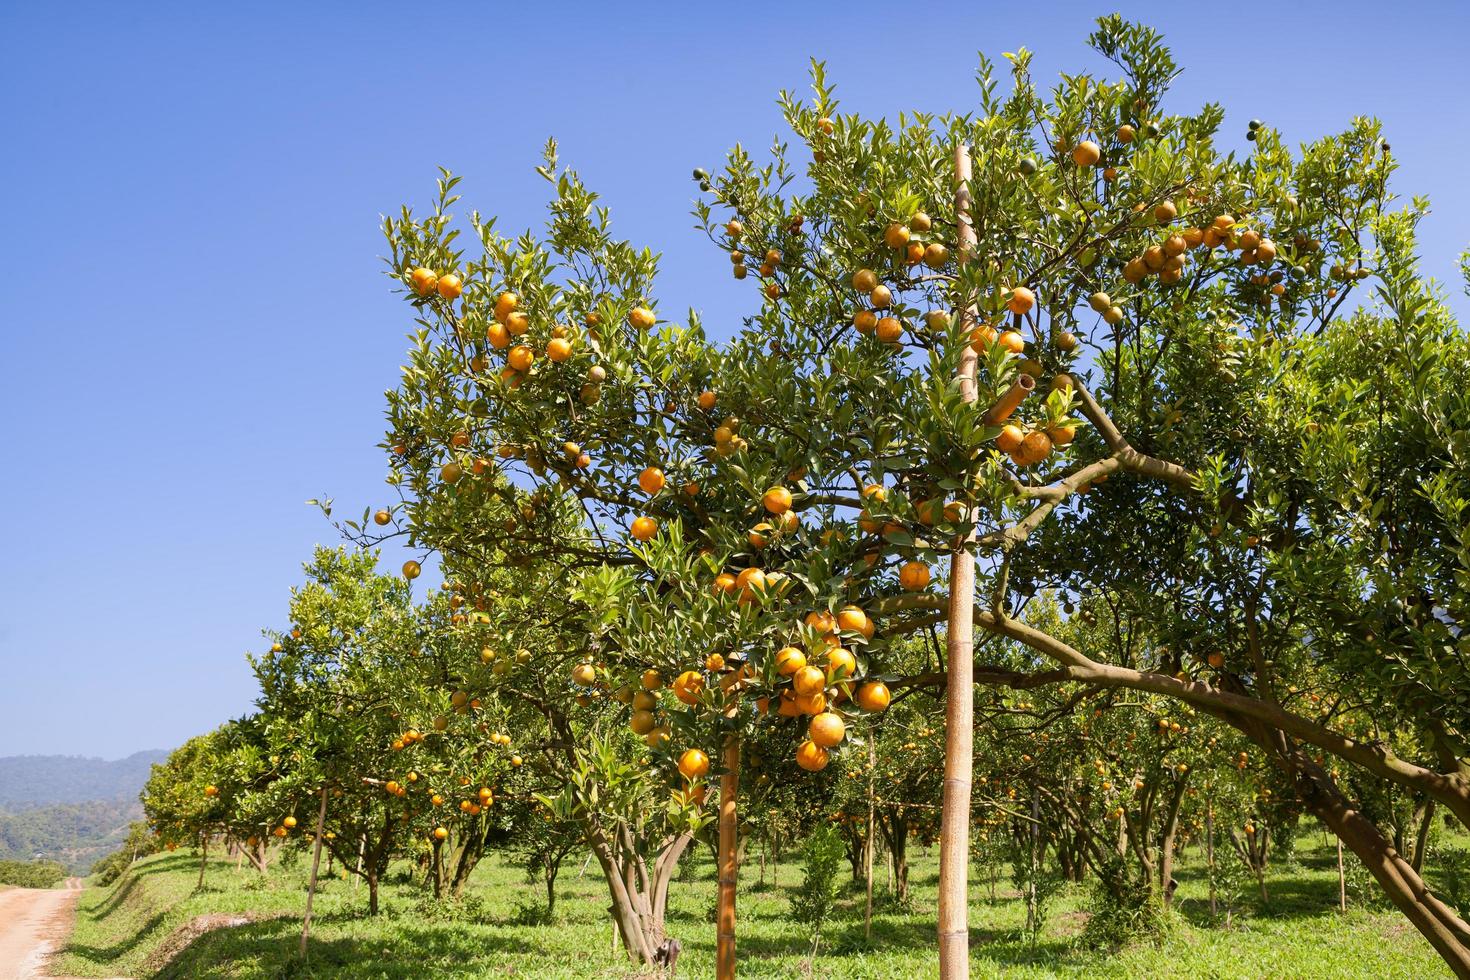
271	947
106	955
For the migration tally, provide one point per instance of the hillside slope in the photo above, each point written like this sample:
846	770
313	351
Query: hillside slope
31	780
68	808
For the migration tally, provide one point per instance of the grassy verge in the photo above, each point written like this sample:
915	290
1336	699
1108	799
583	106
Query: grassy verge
1299	933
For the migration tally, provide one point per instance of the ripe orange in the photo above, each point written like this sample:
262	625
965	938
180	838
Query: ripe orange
1165	212
914	576
822	621
642	722
873	696
1021	300
789	660
651	680
896	235
777	500
211	790
498	336
1216	659
864	280
440	833
520	358
890	330
1125	133
881	297
450	286
651	480
808	680
935	255
693	764
411	570
382	517
826	729
1012	341
644	528
1035	447
423	280
825	125
688	685
505	305
852	619
841	663
1086	153
584	674
706	400
642	318
450	472
290	823
866	321
558	349
811	756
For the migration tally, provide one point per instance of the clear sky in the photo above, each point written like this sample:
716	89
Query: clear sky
198	333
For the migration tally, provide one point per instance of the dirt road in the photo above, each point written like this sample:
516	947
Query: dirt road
33	921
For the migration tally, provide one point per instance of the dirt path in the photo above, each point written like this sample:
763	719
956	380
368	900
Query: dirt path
33	923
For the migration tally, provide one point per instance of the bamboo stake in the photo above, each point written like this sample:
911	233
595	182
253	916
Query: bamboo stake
868	851
729	861
954	840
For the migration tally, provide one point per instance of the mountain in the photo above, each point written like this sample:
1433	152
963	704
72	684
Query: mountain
29	780
68	808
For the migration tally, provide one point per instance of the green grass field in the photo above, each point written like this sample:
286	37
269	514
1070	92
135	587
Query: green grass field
120	929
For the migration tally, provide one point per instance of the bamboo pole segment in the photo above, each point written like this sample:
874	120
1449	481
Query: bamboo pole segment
954	836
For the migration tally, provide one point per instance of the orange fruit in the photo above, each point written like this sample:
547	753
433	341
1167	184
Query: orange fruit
688	685
644	528
896	235
822	621
558	349
584	674
693	764
811	756
642	318
1036	446
826	729
1012	341
651	480
498	336
864	280
651	681
840	663
450	286
642	722
706	400
881	297
382	517
1086	153
440	833
852	619
889	330
777	500
873	696
411	570
505	305
1021	300
914	576
789	660
808	680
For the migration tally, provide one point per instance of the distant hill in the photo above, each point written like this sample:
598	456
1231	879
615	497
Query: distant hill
29	780
68	808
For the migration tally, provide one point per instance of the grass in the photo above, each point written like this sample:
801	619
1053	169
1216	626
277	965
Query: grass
1299	934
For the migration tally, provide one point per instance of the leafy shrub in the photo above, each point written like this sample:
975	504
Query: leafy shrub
1449	871
31	874
1124	911
814	900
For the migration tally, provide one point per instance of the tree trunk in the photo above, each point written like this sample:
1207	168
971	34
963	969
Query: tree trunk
436	868
639	898
1166	843
729	862
1437	922
959	715
1421	839
316	862
1210	853
868	851
372	882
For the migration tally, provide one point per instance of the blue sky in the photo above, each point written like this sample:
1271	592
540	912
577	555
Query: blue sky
198	333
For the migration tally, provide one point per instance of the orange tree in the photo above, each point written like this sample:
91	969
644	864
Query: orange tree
871	418
339	691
